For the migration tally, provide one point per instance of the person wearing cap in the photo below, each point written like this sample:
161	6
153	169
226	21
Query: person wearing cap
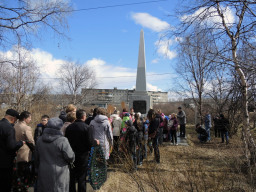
181	115
53	155
8	148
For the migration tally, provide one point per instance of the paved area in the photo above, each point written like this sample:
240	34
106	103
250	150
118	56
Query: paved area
180	140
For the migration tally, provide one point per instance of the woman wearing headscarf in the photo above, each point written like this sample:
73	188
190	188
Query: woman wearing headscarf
53	155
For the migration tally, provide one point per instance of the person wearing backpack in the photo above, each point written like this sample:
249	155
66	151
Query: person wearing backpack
131	140
138	124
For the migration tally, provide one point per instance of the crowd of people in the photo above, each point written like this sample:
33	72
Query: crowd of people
221	128
58	151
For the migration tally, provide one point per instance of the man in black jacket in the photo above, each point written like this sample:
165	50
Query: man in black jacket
78	137
8	148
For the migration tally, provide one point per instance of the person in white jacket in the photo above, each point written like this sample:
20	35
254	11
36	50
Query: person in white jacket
100	129
116	126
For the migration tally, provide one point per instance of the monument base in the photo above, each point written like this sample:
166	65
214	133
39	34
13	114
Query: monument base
141	102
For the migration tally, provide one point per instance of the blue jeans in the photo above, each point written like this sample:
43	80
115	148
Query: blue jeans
208	130
145	149
226	135
140	153
133	156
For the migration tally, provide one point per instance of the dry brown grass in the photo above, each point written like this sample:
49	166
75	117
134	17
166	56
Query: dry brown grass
199	167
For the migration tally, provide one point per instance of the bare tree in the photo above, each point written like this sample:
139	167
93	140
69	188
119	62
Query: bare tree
19	78
75	76
194	67
221	87
19	19
232	24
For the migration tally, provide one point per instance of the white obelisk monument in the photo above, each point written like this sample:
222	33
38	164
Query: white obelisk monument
141	84
140	100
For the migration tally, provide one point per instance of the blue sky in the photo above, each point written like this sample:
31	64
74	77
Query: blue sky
107	39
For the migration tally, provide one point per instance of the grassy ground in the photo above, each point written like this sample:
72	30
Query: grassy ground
212	166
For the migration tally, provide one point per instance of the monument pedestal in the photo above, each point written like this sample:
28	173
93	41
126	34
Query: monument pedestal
140	101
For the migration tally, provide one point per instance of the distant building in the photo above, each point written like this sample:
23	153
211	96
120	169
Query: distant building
103	97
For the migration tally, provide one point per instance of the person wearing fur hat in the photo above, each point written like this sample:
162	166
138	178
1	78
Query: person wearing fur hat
53	155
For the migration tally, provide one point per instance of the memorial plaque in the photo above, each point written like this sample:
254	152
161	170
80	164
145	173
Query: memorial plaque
140	106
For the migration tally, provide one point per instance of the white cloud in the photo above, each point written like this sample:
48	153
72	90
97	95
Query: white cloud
49	66
155	61
149	21
173	96
151	87
110	76
163	49
107	75
211	17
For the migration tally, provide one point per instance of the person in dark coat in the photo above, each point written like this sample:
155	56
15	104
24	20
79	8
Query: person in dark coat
131	140
77	134
90	118
153	132
8	148
223	124
181	116
216	126
40	127
202	134
52	156
138	124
